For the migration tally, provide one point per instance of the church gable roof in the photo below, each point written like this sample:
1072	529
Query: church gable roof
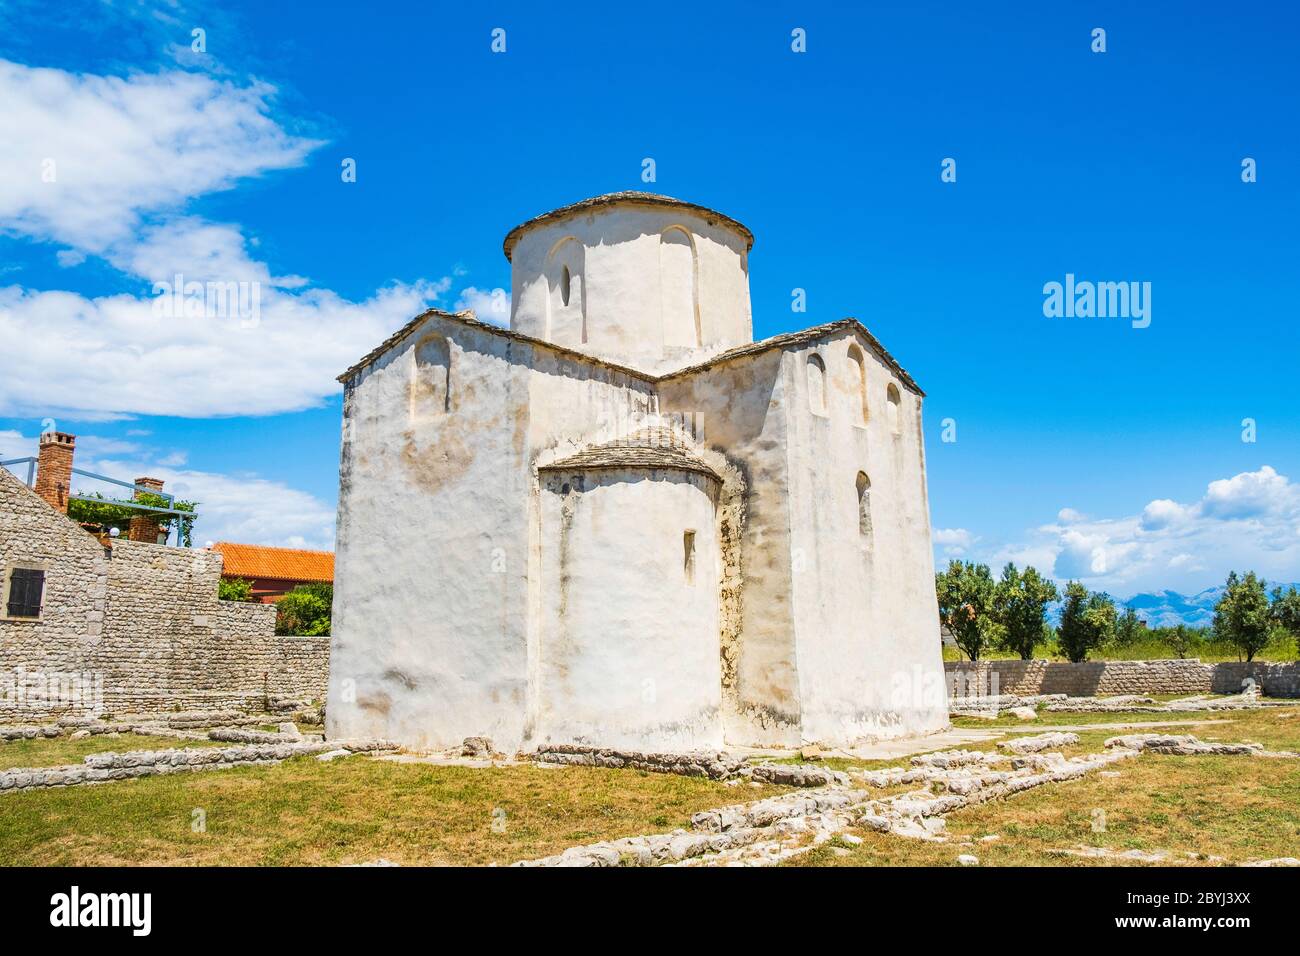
796	339
468	319
783	341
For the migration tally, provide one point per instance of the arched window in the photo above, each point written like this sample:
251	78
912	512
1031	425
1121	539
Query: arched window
817	384
566	307
864	507
679	287
858	375
893	401
430	386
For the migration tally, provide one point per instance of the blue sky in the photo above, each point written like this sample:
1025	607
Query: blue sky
1089	447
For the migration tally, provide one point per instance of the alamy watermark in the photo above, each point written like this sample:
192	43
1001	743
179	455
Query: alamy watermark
1101	300
179	299
21	689
133	911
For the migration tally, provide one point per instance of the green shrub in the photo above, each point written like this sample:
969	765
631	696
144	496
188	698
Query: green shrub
235	589
305	611
1129	629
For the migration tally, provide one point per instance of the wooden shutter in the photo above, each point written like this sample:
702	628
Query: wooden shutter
25	588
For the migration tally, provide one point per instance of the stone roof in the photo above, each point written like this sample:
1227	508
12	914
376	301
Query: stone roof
648	448
468	318
801	337
788	339
627	197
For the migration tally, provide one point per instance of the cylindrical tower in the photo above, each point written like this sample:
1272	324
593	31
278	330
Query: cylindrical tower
635	278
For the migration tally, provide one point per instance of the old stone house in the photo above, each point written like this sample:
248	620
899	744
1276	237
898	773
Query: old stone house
274	572
92	625
621	521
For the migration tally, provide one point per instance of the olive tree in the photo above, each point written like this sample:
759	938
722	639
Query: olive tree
1243	617
1087	621
966	597
1020	608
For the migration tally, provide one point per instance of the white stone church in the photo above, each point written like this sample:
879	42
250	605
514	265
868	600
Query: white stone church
621	521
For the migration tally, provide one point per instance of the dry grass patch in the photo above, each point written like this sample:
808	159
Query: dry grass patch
305	812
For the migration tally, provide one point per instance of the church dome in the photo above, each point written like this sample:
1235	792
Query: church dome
628	197
641	280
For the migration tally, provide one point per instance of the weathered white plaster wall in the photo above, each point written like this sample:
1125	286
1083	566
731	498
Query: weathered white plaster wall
629	633
737	410
634	274
433	603
864	606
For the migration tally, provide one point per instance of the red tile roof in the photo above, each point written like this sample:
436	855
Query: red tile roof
285	564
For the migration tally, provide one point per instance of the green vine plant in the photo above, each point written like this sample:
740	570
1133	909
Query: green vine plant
109	513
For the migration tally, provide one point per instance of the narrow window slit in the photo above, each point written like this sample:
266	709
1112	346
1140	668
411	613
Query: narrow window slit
864	507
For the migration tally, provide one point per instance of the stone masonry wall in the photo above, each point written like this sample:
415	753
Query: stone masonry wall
1103	678
135	627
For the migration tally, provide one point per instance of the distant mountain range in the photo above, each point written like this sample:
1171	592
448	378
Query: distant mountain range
1170	608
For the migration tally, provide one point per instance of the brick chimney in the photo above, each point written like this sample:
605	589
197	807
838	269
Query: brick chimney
54	468
144	526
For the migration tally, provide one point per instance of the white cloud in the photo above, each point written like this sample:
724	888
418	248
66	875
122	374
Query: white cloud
120	148
1098	550
954	541
14	444
1069	516
67	354
1249	495
127	155
245	508
1163	513
251	510
96	446
1248	521
489	305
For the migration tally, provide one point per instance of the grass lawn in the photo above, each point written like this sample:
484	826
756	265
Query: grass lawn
53	751
1238	808
305	812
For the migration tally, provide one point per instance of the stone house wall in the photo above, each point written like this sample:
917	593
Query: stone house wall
1104	678
134	627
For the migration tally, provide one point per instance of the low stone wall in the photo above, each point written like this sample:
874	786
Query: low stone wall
103	767
1105	678
1276	680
